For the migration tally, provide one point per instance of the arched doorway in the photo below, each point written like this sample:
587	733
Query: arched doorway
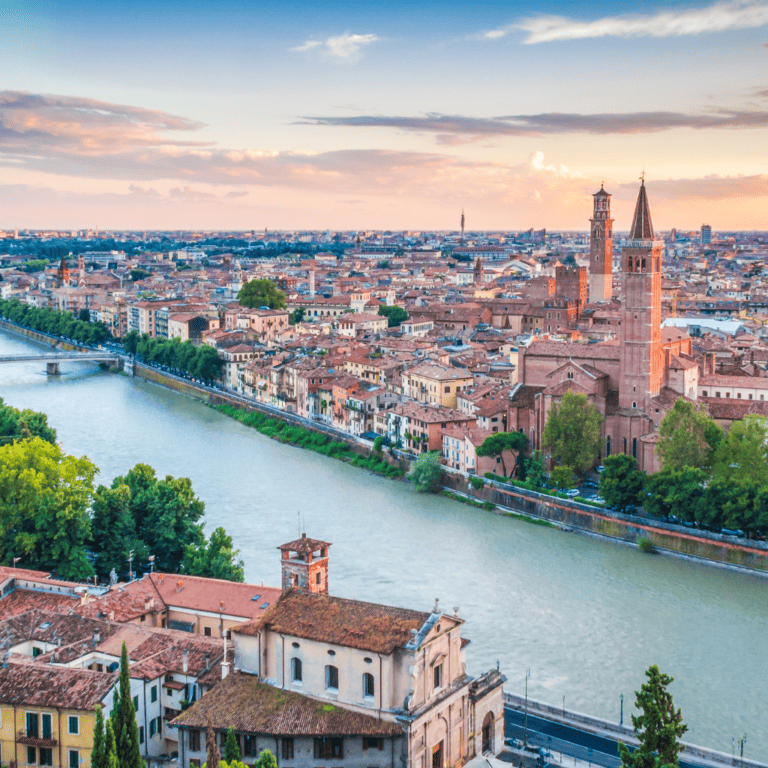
488	733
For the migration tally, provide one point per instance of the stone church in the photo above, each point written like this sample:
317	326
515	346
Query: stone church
632	381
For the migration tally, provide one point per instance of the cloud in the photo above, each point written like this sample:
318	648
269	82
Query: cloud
344	47
712	187
237	193
456	129
720	17
190	194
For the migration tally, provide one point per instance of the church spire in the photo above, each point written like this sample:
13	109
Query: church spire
642	227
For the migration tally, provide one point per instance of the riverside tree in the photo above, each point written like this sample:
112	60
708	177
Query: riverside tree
427	472
215	559
658	728
688	437
573	432
622	483
499	442
743	454
20	425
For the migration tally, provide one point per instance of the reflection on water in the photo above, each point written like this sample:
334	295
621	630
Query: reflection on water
588	616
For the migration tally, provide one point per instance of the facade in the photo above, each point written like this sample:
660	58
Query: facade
435	384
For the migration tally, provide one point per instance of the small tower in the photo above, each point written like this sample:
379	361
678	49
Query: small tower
479	272
601	248
64	272
81	270
462	225
304	564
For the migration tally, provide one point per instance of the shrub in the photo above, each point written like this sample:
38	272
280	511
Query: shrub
477	483
646	545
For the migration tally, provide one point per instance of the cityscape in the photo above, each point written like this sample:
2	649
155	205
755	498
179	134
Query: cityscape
384	388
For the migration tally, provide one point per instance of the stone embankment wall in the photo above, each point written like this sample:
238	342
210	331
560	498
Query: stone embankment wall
42	338
703	545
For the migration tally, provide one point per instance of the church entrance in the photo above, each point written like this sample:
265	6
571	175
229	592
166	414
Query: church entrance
488	733
437	755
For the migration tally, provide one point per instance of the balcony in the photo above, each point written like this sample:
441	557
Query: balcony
34	741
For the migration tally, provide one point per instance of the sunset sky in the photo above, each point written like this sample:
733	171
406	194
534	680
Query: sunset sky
350	115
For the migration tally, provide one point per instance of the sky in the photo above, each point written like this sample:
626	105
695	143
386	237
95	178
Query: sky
394	115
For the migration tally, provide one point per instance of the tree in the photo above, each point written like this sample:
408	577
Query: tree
535	468
426	473
110	748
99	753
266	760
113	530
395	315
231	747
562	477
497	443
622	483
44	500
687	437
743	453
124	719
261	293
214	559
296	316
84	315
131	342
138	274
18	425
657	728
573	432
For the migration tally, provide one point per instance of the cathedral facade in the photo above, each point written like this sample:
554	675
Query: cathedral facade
632	381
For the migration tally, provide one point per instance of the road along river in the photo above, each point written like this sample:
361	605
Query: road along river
587	616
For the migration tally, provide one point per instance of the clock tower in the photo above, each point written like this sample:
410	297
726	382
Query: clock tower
601	249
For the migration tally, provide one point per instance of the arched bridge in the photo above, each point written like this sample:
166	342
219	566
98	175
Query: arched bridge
52	360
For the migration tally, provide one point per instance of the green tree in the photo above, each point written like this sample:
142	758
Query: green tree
395	315
266	760
99	753
124	719
687	437
261	293
231	747
535	468
18	425
562	477
214	559
427	473
499	442
296	316
138	274
84	315
131	342
658	727
743	453
573	432
622	483
44	501
113	530
377	445
110	748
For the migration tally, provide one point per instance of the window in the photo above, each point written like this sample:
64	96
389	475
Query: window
328	747
136	703
332	677
369	687
249	746
36	652
370	742
46	756
141	734
317	578
438	675
447	390
152	727
738	395
31	755
717	394
194	741
47	726
73	726
705	394
207	631
74	758
32	724
296	670
153	694
286	748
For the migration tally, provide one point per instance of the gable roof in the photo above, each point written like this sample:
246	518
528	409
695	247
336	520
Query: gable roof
46	686
338	621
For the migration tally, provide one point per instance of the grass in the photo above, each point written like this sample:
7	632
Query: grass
489	505
646	545
309	440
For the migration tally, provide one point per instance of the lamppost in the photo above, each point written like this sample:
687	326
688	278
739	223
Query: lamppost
742	742
130	566
525	730
621	716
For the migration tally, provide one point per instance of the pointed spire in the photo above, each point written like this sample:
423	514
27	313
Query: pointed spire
642	227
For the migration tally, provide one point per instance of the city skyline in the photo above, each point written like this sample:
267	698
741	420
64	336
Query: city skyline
172	116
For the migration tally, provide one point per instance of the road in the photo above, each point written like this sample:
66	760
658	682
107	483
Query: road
583	746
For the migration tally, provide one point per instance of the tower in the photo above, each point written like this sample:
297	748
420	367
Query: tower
641	350
601	248
462	225
81	270
64	272
479	271
304	564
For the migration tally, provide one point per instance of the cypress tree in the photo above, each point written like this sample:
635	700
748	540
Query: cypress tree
110	748
231	747
98	753
657	728
124	720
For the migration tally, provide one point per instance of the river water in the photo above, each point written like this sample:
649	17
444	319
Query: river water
587	616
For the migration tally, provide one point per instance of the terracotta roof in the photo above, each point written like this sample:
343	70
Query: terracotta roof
304	545
242	702
46	686
338	621
22	600
201	594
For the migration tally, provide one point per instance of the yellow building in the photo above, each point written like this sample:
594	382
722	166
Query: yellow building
47	714
436	384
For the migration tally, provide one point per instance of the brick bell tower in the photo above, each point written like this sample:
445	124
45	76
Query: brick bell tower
642	355
601	248
304	564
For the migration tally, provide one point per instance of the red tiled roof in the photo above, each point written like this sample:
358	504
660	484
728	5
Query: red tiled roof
248	706
28	685
304	545
338	621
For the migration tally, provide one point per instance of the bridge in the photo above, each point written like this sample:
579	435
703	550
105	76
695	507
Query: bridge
53	360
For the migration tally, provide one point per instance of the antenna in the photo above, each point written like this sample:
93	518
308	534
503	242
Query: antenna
298	521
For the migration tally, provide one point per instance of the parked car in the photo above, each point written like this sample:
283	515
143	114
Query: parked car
596	498
572	492
730	532
601	468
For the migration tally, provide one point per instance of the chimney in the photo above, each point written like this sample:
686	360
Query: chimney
159	578
185	661
224	663
179	585
96	638
207	661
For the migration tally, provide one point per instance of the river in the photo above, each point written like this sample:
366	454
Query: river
587	616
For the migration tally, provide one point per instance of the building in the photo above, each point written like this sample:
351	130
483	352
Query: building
326	680
706	234
436	384
601	249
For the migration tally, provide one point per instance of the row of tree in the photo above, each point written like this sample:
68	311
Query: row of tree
53	322
182	358
53	519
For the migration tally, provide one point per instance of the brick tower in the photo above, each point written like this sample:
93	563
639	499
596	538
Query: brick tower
601	248
641	351
304	565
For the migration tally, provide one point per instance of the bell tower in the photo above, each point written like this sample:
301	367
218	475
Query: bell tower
641	351
304	564
601	248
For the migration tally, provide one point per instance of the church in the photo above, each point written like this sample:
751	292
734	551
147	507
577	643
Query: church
632	381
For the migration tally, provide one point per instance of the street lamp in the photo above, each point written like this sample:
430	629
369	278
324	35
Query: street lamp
621	716
525	730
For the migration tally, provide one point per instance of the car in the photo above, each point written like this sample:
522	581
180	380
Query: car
589	484
601	468
572	492
730	532
595	498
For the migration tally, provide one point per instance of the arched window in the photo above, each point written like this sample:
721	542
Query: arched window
369	686
296	670
634	447
625	445
332	678
608	445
